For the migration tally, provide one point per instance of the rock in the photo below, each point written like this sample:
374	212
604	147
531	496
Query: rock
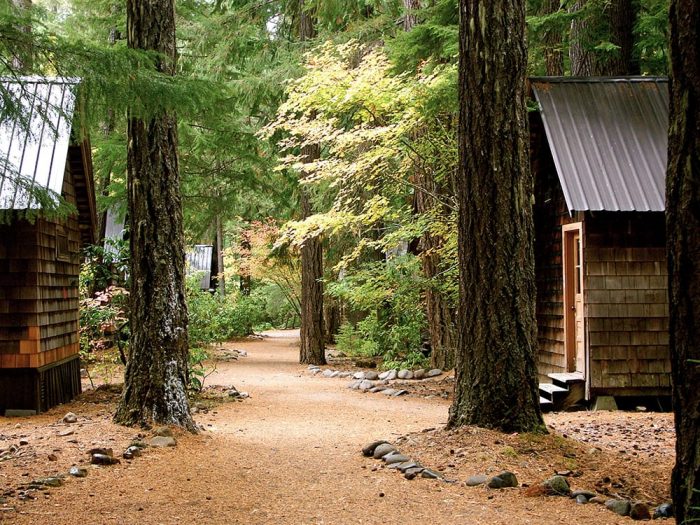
162	442
419	374
384	375
366	385
503	480
390	459
66	433
132	452
53	481
639	511
581	499
315	371
78	472
53	457
368	450
403	467
103	459
403	374
434	372
557	486
399	393
430	474
69	418
311	367
393	374
327	373
101	450
233	392
388	392
413	471
354	385
359	375
477	480
587	493
382	450
376	389
163	431
618	506
600	500
665	510
23	442
335	374
371	375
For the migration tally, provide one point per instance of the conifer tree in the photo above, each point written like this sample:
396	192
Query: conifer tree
155	384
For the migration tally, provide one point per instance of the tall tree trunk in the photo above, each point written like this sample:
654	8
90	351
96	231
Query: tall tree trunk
496	374
622	17
614	21
683	246
581	54
219	247
245	281
552	39
312	349
155	386
439	315
410	19
22	60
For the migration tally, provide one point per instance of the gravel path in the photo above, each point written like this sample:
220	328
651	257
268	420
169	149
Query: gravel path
287	455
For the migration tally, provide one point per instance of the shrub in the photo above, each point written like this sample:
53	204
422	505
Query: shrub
389	293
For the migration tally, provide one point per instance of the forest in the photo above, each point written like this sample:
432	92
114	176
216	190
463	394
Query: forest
370	172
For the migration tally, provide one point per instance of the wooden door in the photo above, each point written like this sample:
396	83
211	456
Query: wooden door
574	320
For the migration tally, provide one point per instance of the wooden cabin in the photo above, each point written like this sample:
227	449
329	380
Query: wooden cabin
598	153
40	258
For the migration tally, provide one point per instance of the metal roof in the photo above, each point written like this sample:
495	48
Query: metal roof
199	262
608	138
114	230
35	125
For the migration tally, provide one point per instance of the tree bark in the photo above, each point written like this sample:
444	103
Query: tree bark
410	19
581	54
219	247
622	17
552	39
22	61
614	20
312	348
155	386
683	247
495	382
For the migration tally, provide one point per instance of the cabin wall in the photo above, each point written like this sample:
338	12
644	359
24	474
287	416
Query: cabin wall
625	294
39	271
550	214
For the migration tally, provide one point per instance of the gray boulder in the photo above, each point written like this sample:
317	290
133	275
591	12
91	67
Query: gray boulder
619	506
382	450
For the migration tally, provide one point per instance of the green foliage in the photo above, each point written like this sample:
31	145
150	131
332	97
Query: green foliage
213	318
389	294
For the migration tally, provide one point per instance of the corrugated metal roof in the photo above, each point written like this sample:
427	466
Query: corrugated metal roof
199	262
34	139
608	138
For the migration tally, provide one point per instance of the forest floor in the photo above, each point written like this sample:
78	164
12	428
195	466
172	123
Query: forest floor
290	454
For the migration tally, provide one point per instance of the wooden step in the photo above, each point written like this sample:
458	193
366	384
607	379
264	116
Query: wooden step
565	379
551	391
545	404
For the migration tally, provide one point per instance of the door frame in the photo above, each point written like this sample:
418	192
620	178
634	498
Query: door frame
568	232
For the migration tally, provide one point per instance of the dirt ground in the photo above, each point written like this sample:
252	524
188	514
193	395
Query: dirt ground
290	454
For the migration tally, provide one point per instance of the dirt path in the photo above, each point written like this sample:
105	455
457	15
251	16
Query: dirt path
288	455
